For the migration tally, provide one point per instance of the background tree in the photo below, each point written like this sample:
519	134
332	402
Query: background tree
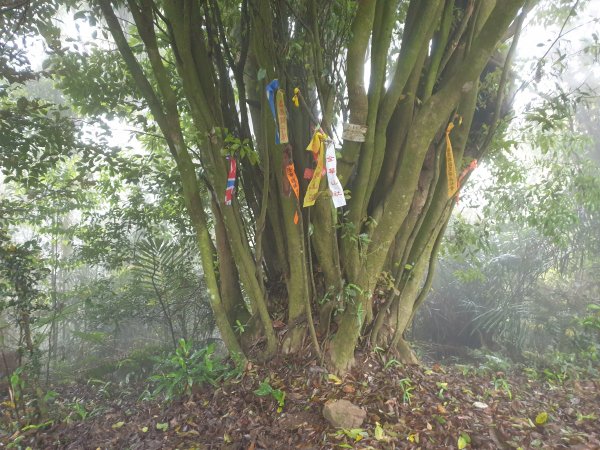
89	205
21	273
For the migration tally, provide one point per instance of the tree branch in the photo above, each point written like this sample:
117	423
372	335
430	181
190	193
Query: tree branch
136	70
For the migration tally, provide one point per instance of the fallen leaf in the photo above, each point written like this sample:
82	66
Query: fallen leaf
463	440
541	418
334	379
413	437
278	324
348	389
379	433
144	429
118	425
480	405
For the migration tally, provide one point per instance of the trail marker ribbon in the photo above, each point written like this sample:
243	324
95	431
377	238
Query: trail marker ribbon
282	117
315	146
230	181
272	88
472	166
450	166
337	193
293	180
290	182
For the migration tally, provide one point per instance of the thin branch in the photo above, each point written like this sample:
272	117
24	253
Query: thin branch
551	46
8	5
504	80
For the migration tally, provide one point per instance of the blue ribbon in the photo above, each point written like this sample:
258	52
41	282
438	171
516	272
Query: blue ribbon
271	90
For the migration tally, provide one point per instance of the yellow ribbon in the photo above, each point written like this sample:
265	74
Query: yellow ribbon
316	146
295	97
281	116
450	166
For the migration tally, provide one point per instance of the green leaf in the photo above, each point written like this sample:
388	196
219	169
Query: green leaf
264	388
379	433
463	440
262	73
79	15
334	379
118	425
541	418
162	426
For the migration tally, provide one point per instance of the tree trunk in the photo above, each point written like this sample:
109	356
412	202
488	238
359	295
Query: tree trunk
400	197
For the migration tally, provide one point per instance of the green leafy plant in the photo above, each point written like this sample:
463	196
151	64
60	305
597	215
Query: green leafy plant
17	385
443	388
581	417
239	327
265	388
531	373
79	412
186	368
406	387
391	363
243	147
501	384
553	376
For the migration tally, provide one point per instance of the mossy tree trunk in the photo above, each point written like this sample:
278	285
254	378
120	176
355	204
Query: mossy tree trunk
360	270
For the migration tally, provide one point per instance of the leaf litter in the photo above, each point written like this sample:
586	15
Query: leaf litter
407	407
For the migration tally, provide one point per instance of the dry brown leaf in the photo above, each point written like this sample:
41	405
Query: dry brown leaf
348	389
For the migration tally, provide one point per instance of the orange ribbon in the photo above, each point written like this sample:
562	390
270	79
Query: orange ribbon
293	180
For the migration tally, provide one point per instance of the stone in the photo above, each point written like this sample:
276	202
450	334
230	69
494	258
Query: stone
344	414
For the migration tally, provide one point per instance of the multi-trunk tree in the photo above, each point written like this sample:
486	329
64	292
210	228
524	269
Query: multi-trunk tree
341	275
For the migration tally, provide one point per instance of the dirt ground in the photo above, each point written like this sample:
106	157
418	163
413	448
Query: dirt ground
407	407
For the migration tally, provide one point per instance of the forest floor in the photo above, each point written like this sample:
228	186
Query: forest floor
450	406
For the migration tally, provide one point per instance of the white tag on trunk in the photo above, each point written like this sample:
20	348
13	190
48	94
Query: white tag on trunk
354	133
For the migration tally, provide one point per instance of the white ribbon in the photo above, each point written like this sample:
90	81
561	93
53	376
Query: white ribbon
337	192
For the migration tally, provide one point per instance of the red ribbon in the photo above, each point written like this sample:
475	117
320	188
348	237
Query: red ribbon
230	181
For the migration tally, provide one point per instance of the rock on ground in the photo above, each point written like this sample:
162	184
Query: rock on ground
344	414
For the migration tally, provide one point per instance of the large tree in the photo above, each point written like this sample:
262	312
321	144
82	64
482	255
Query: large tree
348	276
